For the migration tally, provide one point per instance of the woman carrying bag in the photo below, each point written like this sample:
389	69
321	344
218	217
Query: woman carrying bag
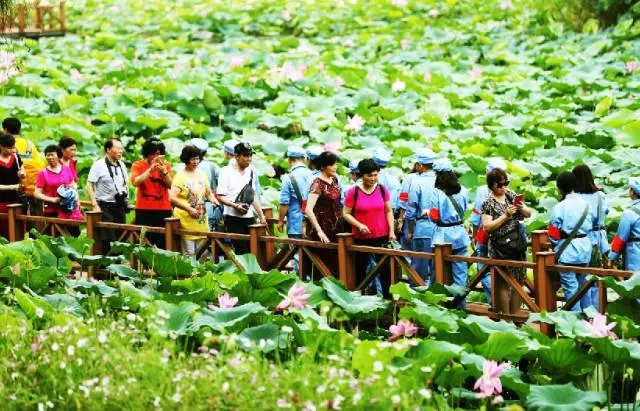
500	220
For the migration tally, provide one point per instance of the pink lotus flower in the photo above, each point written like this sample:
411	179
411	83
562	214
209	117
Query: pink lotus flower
224	301
400	3
286	16
4	77
506	5
476	73
16	269
35	347
206	34
236	61
296	298
427	77
252	79
599	328
398	86
433	13
402	329
271	172
7	60
338	81
355	123
349	43
631	66
106	88
489	384
76	75
88	121
292	72
404	43
332	147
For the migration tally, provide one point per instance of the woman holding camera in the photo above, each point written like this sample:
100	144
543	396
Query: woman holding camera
500	220
189	189
152	178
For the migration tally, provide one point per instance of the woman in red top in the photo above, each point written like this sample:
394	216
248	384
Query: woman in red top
324	210
152	177
11	173
69	148
367	208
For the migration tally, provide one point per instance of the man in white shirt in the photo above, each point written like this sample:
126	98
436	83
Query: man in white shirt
239	212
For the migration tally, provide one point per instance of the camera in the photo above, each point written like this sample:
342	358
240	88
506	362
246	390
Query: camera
122	198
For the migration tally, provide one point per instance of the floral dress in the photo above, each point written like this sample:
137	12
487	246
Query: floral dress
495	209
328	210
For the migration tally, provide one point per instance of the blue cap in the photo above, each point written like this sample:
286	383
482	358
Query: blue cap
296	152
229	146
442	165
381	156
314	151
496	163
199	143
353	166
634	184
424	156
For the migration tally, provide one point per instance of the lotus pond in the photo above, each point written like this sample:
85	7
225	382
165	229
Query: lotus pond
473	79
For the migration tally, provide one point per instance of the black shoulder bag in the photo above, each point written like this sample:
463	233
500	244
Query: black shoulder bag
511	245
247	194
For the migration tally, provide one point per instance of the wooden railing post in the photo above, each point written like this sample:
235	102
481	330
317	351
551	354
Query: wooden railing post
93	232
442	268
538	239
16	227
256	231
63	24
269	247
346	262
545	291
602	297
172	239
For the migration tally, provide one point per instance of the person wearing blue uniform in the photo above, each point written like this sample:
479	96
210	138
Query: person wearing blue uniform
381	157
448	215
480	237
313	153
228	148
627	238
598	209
212	171
353	171
293	195
421	228
570	216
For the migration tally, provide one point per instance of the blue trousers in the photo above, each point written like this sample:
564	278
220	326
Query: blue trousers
570	283
460	272
296	257
423	266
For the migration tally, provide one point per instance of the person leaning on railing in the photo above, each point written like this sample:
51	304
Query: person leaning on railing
367	207
152	178
627	239
568	232
500	213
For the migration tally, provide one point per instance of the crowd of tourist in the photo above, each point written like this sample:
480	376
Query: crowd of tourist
427	207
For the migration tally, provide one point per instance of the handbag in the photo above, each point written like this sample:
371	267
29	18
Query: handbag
508	246
247	194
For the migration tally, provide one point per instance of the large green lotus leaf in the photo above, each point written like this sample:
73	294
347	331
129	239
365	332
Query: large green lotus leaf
618	351
404	291
620	118
36	251
565	321
564	357
156	118
371	354
483	327
629	288
273	278
65	303
263	338
40	278
131	297
354	304
180	316
434	353
227	319
123	271
431	316
30	305
165	263
99	287
24	105
563	398
503	346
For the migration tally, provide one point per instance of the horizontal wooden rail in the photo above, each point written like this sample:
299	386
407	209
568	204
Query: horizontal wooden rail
490	261
390	251
230	236
50	220
602	272
299	242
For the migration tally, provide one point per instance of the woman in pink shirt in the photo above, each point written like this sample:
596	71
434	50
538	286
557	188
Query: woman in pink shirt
368	209
69	148
49	180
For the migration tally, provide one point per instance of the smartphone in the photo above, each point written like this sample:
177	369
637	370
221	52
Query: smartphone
518	199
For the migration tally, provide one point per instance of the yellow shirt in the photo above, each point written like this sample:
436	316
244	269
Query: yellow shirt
193	187
32	162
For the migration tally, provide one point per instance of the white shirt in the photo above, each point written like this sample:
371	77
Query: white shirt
231	182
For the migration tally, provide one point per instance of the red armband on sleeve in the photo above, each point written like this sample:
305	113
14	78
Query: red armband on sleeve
476	211
482	237
434	214
303	206
617	245
404	196
554	232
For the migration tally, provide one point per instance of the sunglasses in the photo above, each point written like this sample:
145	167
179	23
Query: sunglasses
503	184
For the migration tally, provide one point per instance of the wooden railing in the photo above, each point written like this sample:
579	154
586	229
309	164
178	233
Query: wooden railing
34	19
275	252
